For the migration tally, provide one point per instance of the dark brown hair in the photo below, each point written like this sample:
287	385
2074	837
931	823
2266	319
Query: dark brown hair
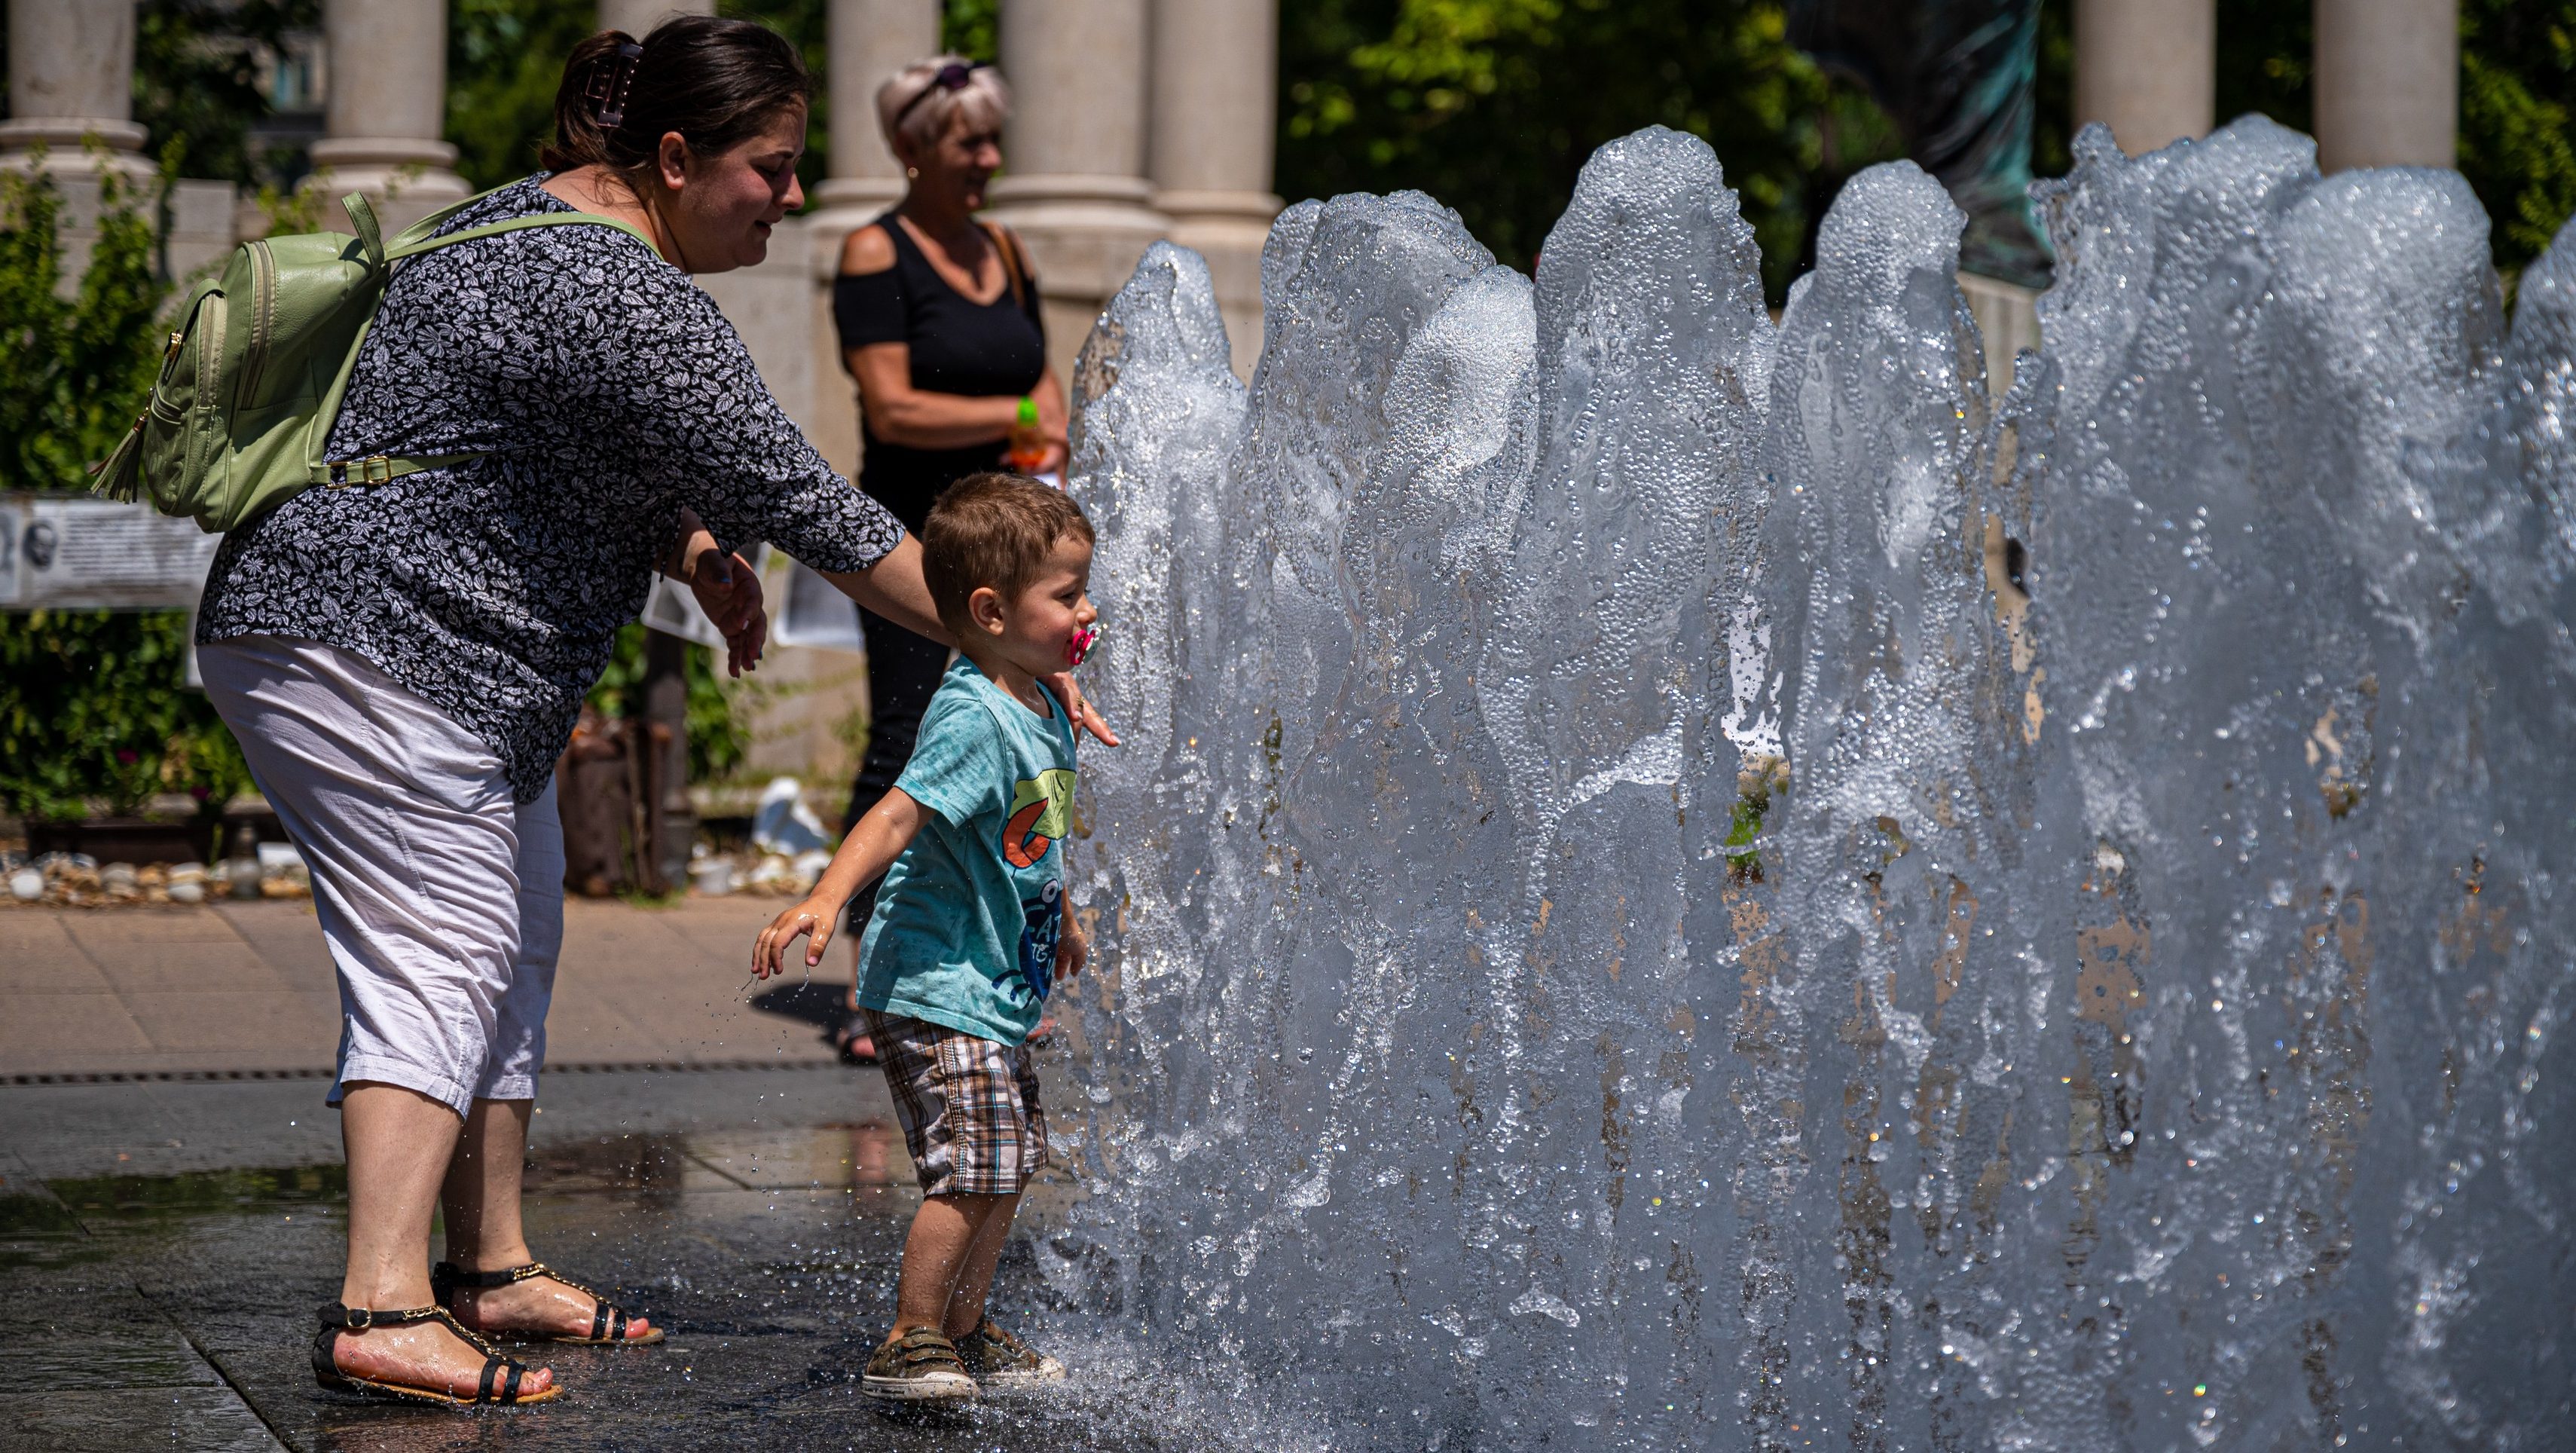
716	82
995	530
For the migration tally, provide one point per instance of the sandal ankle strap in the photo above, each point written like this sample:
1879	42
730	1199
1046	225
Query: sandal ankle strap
359	1319
339	1316
447	1278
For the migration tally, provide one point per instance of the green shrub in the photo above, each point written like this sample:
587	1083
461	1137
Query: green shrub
73	371
94	706
716	744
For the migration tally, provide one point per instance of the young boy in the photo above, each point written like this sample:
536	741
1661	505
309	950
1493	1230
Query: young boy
970	930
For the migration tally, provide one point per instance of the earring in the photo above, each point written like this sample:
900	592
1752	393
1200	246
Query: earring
912	173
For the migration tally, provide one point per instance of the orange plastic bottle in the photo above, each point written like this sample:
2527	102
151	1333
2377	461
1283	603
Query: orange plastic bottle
1028	447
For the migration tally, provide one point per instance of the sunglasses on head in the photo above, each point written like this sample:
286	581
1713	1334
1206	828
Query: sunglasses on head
952	77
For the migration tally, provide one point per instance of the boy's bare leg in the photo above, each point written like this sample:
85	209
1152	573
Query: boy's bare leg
935	1253
975	1277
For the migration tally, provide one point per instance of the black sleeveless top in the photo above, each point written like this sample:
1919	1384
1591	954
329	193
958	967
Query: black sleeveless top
959	346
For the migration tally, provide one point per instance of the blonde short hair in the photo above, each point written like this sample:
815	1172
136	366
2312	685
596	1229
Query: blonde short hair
985	100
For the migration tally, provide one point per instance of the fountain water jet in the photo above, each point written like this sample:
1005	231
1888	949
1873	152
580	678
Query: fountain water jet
1683	882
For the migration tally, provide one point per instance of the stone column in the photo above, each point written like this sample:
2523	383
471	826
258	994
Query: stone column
1076	188
868	41
2149	68
387	108
2388	83
1215	88
71	83
635	17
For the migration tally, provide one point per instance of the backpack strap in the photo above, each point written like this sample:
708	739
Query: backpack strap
1013	267
413	241
414	247
422	236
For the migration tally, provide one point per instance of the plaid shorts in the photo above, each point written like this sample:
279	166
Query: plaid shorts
969	1106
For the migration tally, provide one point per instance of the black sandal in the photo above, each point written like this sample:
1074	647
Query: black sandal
845	1038
492	1387
607	1323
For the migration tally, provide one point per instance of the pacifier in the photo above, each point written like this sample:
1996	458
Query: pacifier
1080	646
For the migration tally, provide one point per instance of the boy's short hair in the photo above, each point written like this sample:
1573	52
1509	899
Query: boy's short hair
992	529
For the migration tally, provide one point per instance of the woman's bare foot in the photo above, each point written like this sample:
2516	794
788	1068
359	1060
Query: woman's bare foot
540	1306
423	1354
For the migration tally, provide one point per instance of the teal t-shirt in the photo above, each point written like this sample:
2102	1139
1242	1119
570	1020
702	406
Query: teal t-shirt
966	925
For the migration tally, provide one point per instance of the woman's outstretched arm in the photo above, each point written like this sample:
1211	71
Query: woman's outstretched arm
894	589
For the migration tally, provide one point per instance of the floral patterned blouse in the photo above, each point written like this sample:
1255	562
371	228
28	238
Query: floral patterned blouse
604	391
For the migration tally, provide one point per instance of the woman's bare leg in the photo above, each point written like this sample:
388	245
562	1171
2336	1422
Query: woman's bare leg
484	1232
399	1145
480	1198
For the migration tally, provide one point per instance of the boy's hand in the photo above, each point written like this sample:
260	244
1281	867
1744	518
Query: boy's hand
1072	950
816	916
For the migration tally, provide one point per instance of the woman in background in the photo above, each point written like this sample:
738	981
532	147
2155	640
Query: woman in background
939	324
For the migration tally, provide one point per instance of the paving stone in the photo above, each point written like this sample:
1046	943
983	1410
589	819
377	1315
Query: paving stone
146	990
287	935
54	1033
758	1215
39	956
199	1419
273	1029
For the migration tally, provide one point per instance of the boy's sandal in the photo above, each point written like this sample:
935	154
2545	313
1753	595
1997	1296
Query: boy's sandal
607	1323
499	1384
921	1366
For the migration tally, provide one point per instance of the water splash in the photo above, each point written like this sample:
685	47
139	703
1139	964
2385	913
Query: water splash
1711	884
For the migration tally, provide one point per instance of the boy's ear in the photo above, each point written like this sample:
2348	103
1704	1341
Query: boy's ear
984	608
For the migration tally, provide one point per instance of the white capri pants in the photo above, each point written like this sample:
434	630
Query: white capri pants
440	898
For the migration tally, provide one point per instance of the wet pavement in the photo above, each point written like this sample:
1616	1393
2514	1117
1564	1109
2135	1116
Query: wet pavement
162	1247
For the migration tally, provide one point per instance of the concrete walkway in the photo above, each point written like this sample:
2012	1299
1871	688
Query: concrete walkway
246	988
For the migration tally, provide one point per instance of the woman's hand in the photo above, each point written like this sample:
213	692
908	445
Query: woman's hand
1070	693
728	590
815	916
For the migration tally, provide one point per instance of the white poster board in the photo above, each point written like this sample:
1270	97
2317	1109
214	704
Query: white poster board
804	609
809	611
68	553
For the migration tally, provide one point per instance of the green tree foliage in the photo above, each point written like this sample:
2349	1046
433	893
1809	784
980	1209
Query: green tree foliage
197	73
1493	106
971	28
504	59
73	370
2517	82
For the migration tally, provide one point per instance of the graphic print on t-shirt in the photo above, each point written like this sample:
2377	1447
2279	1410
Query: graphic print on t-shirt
1045	926
1041	811
1041	808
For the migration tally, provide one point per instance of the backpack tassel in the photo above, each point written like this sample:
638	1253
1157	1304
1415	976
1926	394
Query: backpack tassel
124	485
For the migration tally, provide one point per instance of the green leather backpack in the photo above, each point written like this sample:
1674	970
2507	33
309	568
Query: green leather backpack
251	381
